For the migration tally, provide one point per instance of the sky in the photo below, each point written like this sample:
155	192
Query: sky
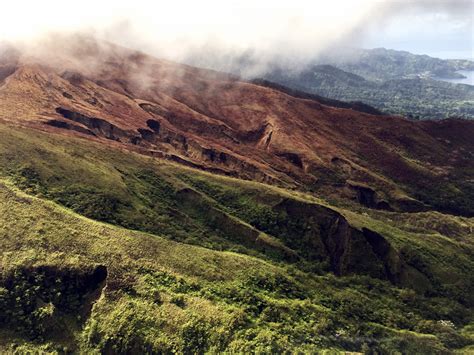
301	27
438	28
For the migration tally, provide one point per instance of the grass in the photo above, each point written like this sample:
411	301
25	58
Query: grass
179	280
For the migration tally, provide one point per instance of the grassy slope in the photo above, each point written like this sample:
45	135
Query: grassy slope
164	295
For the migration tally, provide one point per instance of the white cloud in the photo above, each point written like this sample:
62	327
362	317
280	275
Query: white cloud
240	24
170	28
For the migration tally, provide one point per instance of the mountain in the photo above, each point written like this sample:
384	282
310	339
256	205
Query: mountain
419	98
381	64
395	82
149	206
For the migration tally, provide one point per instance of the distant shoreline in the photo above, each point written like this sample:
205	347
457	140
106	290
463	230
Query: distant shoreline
468	80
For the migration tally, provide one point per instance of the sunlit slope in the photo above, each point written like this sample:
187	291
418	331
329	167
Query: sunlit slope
265	281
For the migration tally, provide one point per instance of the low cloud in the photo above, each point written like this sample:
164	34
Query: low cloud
293	31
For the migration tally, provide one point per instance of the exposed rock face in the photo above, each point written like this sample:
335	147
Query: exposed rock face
154	125
69	126
368	197
318	233
97	126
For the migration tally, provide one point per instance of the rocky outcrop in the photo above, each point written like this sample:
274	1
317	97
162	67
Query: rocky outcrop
69	126
161	141
98	126
318	233
368	197
154	125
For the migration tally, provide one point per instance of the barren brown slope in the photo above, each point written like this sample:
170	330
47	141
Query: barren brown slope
215	122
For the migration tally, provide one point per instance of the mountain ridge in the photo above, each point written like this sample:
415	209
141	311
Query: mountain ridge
213	121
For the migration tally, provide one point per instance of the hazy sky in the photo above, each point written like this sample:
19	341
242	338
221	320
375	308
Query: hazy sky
297	26
438	28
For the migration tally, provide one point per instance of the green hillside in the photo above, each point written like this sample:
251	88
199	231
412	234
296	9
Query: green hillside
108	251
380	64
416	97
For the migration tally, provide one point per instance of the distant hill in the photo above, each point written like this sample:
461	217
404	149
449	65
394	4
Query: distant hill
354	105
416	97
381	64
396	82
